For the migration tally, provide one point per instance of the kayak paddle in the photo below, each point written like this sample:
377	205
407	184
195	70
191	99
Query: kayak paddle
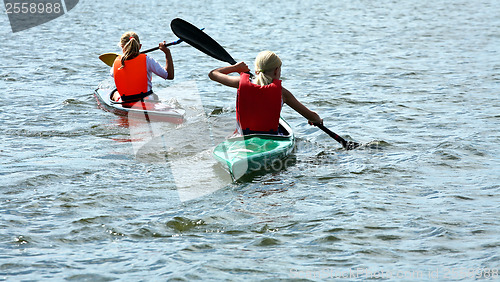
201	41
348	145
109	58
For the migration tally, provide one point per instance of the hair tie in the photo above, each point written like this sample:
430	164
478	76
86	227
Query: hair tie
131	37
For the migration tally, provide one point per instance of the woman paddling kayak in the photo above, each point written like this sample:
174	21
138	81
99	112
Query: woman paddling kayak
132	71
259	101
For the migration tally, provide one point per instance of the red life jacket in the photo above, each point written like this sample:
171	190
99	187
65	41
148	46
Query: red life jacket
258	107
132	80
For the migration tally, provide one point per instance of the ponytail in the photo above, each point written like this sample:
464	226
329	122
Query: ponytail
265	63
131	45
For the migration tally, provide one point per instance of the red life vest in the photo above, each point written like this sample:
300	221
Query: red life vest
132	80
258	107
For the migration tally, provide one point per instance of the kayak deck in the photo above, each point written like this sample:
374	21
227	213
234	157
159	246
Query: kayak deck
242	155
152	111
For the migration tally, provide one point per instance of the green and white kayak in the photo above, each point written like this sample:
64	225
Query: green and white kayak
242	155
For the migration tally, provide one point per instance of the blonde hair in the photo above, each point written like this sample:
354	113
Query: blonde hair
265	63
131	45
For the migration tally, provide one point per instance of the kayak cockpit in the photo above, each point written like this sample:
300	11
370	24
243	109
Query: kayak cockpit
241	155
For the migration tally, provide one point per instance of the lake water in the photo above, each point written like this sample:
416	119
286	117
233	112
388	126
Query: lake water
417	81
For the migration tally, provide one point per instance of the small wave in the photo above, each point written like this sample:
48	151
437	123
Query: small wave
90	277
266	242
22	240
198	248
464	198
74	101
182	224
434	232
328	239
375	145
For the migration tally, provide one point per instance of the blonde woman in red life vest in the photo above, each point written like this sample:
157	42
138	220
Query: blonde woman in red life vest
132	71
259	100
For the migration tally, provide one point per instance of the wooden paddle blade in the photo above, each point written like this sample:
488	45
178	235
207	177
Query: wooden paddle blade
108	58
200	40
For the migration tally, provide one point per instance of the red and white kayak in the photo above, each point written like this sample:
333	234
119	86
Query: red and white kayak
151	110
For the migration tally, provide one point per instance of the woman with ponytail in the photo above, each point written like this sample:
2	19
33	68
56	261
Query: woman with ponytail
259	100
132	71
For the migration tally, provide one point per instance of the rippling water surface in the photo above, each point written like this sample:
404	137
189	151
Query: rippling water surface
418	82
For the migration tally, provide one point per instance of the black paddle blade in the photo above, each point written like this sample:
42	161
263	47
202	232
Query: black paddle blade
350	145
200	40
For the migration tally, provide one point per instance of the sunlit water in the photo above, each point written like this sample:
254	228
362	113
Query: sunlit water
417	82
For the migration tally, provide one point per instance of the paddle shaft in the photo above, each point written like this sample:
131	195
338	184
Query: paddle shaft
158	47
348	145
109	58
333	135
166	45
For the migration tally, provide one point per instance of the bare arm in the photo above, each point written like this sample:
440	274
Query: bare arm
222	76
291	101
168	57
